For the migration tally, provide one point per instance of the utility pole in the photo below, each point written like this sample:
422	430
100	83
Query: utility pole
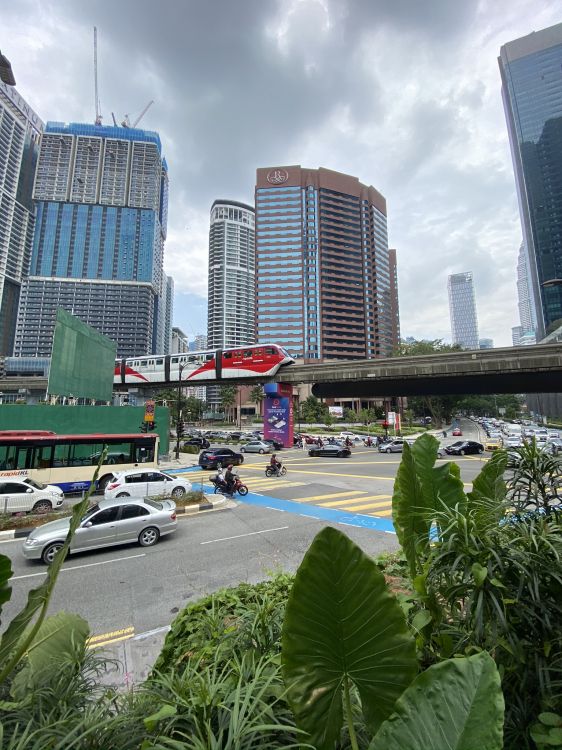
178	412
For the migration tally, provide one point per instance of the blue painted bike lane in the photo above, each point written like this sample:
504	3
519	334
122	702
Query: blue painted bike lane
307	511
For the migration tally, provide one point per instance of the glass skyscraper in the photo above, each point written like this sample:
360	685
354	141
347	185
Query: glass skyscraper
20	131
101	196
462	309
532	93
325	281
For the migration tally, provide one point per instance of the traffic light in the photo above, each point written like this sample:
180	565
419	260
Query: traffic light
179	429
143	427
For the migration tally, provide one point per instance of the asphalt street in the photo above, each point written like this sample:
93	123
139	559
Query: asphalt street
132	590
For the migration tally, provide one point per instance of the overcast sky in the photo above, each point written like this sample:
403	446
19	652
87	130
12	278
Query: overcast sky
403	94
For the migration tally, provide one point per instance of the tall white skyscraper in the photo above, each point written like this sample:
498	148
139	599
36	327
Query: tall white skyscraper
462	309
231	313
232	268
527	308
20	131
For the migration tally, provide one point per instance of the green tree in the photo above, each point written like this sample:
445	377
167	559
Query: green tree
228	394
313	410
439	408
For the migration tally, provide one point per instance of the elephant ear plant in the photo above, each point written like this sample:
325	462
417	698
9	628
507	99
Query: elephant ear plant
30	636
345	632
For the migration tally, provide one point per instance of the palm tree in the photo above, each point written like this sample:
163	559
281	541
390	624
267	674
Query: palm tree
535	476
257	396
228	395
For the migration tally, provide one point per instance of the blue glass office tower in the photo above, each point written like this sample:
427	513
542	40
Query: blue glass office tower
531	71
101	196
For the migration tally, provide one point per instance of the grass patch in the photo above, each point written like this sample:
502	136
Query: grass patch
28	520
193	497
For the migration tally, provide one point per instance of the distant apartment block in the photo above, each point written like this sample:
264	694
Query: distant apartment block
180	342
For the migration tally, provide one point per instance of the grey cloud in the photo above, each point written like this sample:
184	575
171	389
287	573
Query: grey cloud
382	89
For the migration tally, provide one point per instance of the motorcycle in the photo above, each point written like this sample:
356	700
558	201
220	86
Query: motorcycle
271	471
221	486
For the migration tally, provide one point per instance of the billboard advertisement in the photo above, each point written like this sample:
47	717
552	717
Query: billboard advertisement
82	360
278	413
336	411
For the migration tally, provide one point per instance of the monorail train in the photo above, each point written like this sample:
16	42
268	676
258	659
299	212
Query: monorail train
241	362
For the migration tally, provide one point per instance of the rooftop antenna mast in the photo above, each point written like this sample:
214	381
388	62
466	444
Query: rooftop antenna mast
96	94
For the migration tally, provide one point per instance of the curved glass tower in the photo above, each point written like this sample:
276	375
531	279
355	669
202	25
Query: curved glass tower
532	94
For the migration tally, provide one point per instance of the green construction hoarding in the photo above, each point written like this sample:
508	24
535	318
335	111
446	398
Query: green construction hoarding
82	361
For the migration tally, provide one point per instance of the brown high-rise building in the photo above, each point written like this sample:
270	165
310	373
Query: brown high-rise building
394	308
324	277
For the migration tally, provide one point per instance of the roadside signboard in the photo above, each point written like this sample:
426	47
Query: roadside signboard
149	411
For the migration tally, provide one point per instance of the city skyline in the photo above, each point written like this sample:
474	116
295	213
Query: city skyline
328	76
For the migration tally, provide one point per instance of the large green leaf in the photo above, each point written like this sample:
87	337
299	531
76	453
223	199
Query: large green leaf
341	624
409	500
12	645
419	490
61	636
5	575
455	705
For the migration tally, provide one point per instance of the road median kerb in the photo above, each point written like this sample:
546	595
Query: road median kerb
188	510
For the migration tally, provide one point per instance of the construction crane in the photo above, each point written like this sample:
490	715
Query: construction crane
127	123
96	94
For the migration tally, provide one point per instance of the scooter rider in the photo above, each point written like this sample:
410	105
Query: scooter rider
274	463
230	479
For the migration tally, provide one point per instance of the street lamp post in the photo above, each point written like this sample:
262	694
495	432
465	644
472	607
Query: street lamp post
178	411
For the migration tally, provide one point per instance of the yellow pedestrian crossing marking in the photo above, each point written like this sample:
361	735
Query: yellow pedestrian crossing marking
372	505
322	497
333	503
385	508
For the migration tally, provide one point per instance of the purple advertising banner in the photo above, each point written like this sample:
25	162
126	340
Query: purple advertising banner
278	413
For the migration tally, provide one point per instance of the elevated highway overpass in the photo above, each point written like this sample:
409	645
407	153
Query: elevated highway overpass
524	369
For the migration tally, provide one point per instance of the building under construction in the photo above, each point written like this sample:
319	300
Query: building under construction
101	195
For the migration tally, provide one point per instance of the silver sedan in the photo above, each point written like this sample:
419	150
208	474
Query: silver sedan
106	524
256	446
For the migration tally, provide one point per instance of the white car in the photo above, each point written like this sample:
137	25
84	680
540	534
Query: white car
24	495
145	483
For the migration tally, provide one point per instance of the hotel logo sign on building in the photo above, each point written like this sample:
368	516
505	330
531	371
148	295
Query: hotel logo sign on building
277	176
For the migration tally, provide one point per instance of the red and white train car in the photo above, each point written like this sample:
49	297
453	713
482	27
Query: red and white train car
210	365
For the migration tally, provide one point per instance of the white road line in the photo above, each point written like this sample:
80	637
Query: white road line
239	536
79	567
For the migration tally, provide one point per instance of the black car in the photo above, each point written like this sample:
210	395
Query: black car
464	448
336	451
212	458
275	444
200	442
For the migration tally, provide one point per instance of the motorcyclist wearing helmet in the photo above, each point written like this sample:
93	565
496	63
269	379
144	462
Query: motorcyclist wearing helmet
230	479
274	463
